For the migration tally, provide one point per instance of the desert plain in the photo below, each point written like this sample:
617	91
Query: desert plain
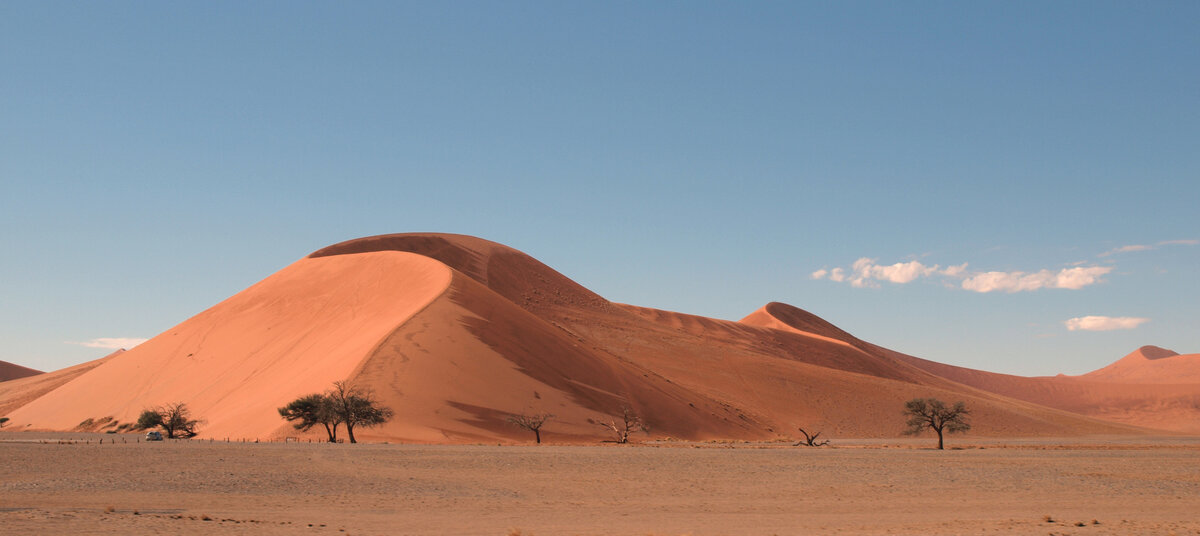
71	484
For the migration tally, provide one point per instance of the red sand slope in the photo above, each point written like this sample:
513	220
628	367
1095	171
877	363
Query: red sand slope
11	371
457	333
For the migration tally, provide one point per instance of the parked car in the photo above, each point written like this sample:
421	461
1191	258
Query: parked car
153	435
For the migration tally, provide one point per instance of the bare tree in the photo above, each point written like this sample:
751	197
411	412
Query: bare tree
175	419
311	410
811	440
932	413
630	422
533	423
356	407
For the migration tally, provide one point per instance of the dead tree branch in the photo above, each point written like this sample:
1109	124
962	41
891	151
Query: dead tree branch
811	440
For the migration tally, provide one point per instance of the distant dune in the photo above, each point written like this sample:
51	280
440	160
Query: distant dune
1151	364
10	371
456	334
1127	394
21	391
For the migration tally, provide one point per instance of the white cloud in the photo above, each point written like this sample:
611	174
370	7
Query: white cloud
955	271
1104	323
989	281
112	343
1080	276
1067	278
867	273
861	270
902	272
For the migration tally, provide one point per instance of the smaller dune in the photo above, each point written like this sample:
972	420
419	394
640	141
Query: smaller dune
12	371
1151	387
1150	364
20	391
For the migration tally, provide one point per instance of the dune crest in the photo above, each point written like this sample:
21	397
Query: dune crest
786	317
1154	352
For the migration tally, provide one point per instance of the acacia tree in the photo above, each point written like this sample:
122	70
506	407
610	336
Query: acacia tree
356	407
175	419
533	423
932	413
3	421
630	422
342	404
311	410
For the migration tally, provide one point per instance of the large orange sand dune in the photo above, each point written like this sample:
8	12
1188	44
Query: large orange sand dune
457	333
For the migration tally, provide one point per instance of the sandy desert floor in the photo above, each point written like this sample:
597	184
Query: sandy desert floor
55	484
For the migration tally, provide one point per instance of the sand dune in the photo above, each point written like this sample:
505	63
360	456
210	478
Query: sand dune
457	333
1123	392
295	332
1174	407
11	371
21	391
459	368
767	382
1150	364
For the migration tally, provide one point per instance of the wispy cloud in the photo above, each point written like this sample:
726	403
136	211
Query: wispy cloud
1104	323
1148	247
111	343
1126	249
867	273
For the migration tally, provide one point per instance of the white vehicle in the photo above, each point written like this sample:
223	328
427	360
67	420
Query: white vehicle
153	435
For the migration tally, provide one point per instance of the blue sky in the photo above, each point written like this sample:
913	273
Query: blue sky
156	158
